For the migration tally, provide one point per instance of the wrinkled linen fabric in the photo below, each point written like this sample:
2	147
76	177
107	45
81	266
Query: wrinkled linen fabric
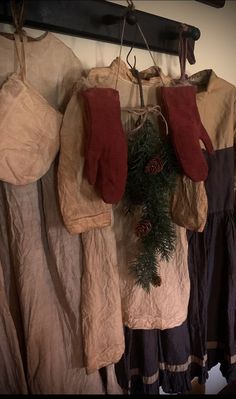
29	132
82	210
187	196
52	68
102	326
12	380
41	266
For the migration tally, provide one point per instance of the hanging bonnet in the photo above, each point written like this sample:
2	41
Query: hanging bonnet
29	125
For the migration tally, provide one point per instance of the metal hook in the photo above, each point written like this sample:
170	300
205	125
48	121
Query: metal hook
127	58
135	73
130	4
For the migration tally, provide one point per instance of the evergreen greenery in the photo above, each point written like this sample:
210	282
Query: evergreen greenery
152	173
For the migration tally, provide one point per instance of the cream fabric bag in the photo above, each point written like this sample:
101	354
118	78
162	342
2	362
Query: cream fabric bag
29	127
189	204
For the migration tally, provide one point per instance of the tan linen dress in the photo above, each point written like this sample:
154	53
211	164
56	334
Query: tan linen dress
41	349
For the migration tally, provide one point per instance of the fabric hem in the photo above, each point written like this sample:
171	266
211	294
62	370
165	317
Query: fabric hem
115	358
135	325
86	224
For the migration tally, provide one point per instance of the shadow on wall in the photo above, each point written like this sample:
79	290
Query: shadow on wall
215	382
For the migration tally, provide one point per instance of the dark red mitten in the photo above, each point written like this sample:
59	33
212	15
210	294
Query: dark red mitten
186	129
106	144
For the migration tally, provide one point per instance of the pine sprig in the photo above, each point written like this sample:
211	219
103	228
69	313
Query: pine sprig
143	269
152	173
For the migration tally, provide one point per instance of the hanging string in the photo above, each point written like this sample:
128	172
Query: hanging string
143	113
183	48
18	15
121	45
17	11
20	51
153	60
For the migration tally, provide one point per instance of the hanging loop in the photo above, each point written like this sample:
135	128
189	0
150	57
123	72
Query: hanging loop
143	113
17	10
20	51
183	46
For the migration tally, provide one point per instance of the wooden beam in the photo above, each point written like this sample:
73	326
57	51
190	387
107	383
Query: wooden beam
100	20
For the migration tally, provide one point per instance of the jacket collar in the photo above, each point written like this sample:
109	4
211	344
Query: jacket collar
205	80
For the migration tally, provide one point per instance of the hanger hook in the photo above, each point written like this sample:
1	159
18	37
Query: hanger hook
127	58
130	4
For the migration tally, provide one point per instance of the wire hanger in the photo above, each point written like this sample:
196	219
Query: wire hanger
136	74
131	18
143	111
127	58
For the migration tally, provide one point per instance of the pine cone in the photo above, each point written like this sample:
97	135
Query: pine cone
154	166
156	281
143	228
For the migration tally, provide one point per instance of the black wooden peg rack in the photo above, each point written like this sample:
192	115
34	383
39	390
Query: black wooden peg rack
101	20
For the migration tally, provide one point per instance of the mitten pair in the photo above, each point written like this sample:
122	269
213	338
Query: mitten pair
105	144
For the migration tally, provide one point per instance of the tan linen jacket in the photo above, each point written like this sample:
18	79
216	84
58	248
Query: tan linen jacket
109	243
216	101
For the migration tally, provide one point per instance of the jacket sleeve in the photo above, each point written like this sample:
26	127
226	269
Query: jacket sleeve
81	207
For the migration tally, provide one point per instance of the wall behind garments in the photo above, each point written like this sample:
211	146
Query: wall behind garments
214	50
